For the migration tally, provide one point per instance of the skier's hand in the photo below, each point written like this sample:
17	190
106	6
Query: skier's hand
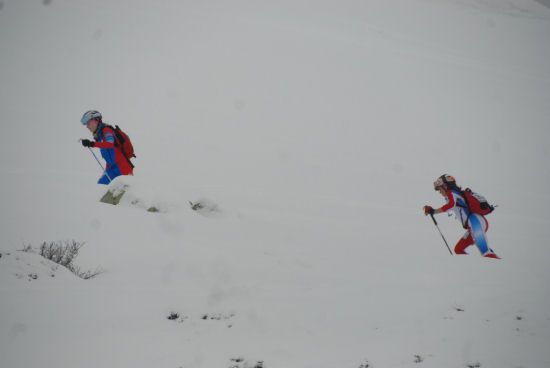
428	210
88	143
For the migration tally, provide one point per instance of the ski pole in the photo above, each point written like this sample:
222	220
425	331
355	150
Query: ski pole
435	223
100	165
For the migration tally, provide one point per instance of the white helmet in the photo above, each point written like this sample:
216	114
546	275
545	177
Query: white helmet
89	115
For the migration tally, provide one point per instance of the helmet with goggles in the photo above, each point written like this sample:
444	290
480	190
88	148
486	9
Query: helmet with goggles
444	181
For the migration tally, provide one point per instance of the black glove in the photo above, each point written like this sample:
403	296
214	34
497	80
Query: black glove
88	143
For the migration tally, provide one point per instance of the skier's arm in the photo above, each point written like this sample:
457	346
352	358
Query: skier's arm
450	204
104	144
109	141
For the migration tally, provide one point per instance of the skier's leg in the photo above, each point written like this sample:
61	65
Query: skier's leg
104	179
478	227
463	243
109	174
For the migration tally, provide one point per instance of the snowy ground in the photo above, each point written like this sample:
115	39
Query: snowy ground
315	131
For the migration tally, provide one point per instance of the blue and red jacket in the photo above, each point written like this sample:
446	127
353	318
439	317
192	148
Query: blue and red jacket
117	163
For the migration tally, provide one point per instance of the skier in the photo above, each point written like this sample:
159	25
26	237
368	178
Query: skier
105	140
475	224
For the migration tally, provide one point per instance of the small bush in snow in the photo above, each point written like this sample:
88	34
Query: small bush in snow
63	253
240	362
173	316
27	248
85	274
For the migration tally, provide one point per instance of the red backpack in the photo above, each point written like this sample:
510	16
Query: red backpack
123	141
477	203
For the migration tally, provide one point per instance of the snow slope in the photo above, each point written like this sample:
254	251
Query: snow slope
316	129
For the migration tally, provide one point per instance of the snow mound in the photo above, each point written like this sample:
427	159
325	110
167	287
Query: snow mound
31	267
205	207
129	192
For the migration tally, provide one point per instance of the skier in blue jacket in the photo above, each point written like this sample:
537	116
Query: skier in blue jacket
105	140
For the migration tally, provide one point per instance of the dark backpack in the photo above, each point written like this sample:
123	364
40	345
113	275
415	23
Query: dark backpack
123	141
477	203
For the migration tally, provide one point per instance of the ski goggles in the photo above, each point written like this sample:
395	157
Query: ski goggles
85	121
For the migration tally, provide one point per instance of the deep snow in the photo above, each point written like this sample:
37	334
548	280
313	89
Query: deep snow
316	129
